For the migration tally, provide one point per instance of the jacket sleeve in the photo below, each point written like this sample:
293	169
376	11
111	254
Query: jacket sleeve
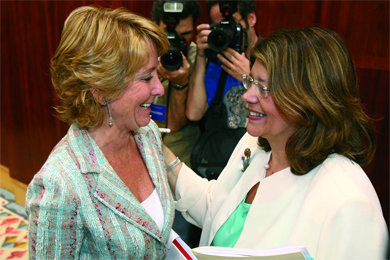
53	218
198	198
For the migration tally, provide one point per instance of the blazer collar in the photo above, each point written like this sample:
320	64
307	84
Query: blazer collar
111	190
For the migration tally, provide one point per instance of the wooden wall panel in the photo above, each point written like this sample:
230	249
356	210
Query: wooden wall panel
29	129
30	32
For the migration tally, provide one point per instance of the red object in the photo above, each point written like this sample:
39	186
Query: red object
182	250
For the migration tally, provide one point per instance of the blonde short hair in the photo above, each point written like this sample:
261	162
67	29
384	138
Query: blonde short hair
100	49
313	83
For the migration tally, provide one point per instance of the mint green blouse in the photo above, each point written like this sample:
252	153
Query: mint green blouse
228	234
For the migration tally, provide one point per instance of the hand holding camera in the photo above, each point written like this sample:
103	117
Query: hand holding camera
234	63
179	76
225	43
227	34
172	60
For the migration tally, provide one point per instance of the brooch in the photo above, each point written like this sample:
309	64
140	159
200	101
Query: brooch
245	159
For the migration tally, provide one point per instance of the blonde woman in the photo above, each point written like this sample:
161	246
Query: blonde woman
103	192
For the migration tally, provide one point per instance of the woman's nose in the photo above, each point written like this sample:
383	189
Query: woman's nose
158	88
250	96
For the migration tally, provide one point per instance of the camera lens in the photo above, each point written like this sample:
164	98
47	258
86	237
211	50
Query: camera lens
219	39
172	60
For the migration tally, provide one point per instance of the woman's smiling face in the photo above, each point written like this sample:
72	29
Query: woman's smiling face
132	109
264	118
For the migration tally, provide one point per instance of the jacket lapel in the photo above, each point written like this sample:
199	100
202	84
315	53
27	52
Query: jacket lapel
146	139
111	191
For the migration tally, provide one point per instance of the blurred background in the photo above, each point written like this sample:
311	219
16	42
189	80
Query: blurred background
30	33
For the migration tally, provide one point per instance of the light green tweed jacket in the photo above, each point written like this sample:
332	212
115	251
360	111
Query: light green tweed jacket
79	208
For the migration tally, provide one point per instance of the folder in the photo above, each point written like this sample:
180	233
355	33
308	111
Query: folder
286	252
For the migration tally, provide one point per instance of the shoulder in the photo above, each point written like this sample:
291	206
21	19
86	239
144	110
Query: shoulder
340	181
63	163
343	173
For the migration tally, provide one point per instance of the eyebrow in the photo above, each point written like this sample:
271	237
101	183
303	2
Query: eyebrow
258	79
147	71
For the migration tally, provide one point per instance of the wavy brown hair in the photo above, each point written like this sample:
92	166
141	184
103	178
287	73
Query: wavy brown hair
100	49
313	83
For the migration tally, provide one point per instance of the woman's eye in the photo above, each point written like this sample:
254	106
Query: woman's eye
147	78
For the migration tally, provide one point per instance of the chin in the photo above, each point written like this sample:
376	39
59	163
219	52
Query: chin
252	130
144	122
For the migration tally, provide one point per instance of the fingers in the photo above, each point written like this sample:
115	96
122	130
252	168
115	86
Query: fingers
179	76
203	26
202	37
234	63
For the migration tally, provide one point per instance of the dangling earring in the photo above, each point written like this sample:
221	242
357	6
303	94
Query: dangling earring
110	122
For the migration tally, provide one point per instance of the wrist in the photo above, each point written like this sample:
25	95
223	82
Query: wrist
179	86
172	165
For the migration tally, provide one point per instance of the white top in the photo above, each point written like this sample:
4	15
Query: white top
333	210
152	205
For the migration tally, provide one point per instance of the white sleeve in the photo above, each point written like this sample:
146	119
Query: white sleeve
193	195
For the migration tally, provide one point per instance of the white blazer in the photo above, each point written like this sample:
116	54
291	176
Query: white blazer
333	210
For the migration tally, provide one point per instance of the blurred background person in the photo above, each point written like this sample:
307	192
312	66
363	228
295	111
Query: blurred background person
296	176
103	192
223	51
178	19
174	70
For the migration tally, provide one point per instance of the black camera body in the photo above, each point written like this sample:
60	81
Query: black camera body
172	60
227	34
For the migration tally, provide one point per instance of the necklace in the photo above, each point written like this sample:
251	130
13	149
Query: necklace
266	166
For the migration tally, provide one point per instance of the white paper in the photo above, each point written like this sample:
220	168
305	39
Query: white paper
173	253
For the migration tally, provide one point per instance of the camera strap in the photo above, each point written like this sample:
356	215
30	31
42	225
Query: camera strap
221	87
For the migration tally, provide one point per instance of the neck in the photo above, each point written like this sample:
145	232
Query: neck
278	161
252	40
111	140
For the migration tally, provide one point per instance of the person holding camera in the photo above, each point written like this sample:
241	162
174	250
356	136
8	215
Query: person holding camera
178	19
223	50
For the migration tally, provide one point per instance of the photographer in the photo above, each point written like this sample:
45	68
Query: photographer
216	143
169	110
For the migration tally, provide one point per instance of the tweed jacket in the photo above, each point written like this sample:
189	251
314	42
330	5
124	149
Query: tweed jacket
79	208
333	210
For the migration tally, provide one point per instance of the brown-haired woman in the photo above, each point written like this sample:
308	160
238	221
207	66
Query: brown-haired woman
296	176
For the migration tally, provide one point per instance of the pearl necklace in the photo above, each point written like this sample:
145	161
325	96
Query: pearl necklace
266	166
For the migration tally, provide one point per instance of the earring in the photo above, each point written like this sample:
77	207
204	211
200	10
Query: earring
110	122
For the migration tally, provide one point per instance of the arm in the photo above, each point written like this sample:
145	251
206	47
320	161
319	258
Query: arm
173	174
197	97
178	97
53	218
194	201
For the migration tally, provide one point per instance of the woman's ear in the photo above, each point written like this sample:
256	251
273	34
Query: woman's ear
97	96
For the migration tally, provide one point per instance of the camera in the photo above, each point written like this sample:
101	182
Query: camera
227	33
172	60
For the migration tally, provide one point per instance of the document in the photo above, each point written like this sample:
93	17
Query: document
286	252
177	249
